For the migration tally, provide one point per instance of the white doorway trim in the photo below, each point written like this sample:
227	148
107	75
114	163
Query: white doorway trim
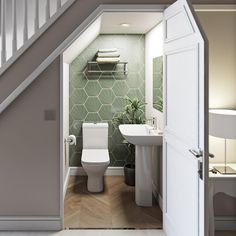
97	13
88	21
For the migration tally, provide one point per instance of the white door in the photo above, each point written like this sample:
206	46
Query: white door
186	126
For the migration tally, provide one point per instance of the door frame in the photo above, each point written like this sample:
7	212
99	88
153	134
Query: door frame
104	8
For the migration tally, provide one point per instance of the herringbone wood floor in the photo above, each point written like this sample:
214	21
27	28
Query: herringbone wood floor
114	208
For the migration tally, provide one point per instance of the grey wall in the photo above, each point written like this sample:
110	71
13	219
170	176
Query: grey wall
99	97
33	166
29	151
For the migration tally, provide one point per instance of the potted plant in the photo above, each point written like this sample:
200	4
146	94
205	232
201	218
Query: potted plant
133	113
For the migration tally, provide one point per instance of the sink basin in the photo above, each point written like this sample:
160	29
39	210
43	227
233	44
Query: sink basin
142	135
145	139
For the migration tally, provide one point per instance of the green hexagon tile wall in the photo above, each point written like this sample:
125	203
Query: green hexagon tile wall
97	98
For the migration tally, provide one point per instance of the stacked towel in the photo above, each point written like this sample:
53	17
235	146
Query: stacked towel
108	56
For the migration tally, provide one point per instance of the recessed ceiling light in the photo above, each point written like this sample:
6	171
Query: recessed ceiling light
125	24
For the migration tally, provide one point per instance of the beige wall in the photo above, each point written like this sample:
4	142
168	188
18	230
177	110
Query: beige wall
29	145
220	28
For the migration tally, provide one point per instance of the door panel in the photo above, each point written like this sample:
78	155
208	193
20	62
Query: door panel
182	93
186	115
186	199
174	32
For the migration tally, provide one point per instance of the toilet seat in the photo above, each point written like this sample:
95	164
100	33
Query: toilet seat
95	156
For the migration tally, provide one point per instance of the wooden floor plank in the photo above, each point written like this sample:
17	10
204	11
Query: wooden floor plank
113	208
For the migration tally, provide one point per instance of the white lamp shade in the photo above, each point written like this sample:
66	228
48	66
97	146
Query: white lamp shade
222	123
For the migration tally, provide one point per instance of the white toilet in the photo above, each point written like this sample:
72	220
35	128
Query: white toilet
95	156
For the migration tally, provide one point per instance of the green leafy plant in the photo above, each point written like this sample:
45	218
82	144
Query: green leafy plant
132	113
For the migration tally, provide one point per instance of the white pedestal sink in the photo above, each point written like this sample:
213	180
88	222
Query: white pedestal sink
144	138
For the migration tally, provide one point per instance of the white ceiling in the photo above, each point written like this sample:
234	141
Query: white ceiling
109	23
140	22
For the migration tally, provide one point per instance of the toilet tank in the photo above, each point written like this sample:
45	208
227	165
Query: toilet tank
95	135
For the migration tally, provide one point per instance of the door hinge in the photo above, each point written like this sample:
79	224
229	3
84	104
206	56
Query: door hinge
200	169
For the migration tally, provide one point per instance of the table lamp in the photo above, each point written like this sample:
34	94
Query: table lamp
222	124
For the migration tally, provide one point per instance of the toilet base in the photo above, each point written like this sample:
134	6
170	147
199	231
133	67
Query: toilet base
95	184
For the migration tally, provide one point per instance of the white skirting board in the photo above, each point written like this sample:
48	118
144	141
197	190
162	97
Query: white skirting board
225	223
157	195
112	171
30	223
65	185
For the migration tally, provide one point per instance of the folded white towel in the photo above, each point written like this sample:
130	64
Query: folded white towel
103	60
108	54
107	50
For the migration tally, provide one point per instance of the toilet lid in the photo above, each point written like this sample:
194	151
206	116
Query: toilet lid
95	156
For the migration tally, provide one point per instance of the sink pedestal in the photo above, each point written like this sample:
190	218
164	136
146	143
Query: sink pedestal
144	138
143	179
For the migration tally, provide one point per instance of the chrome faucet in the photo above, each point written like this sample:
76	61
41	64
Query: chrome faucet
154	123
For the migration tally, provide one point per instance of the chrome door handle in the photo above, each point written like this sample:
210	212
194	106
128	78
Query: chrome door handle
211	155
197	154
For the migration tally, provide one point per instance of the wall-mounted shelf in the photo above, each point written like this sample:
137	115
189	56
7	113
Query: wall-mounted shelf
106	68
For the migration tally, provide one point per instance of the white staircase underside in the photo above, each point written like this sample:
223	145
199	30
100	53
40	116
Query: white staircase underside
69	40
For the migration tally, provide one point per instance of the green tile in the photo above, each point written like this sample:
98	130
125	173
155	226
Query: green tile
120	88
71	88
89	53
75	159
106	96
106	112
119	163
118	104
112	128
111	143
158	65
93	104
78	112
106	82
71	119
92	88
112	159
134	80
78	80
78	96
106	40
142	88
79	63
98	97
76	128
117	136
120	152
71	104
93	116
135	93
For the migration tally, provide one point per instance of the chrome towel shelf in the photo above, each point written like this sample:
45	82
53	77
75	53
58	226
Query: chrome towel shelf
95	68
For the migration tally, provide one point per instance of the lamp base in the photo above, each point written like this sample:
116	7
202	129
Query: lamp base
224	170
